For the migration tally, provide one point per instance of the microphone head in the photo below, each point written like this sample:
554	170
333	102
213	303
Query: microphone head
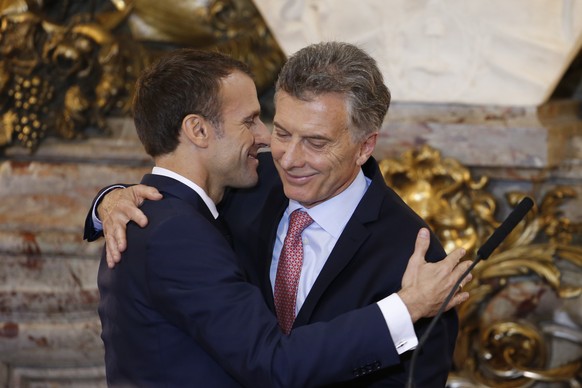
505	228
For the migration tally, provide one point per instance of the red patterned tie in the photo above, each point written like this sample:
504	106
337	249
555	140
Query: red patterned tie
289	270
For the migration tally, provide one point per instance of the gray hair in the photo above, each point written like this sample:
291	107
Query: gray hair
336	67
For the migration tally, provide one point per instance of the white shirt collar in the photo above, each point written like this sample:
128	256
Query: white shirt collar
333	214
171	174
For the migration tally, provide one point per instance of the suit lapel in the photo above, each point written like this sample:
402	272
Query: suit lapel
348	244
353	236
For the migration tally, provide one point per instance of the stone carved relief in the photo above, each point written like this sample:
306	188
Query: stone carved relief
508	53
65	67
522	324
435	65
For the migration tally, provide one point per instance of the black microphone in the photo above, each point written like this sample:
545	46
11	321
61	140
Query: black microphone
505	228
482	254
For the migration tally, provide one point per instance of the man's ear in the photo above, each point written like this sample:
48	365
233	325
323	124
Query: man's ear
195	129
366	148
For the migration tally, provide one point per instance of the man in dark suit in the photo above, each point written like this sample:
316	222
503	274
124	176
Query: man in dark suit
377	237
331	102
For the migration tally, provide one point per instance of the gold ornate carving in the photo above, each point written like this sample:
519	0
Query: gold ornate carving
443	192
66	66
526	299
59	78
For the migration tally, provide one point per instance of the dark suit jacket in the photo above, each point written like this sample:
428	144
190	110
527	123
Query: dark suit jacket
177	311
366	264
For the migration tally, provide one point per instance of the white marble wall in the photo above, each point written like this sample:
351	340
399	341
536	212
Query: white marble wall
491	52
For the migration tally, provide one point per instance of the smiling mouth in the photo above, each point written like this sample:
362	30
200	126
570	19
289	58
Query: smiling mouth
254	151
298	178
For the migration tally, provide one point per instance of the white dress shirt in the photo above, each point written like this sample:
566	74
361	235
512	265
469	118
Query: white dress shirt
330	218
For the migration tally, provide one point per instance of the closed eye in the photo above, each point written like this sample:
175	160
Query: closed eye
251	121
281	133
317	143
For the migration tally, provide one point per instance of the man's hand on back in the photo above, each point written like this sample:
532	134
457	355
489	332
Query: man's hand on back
116	209
426	285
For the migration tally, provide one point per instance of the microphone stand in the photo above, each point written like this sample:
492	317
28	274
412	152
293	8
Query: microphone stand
433	322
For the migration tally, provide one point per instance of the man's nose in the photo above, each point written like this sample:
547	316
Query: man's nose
292	155
262	135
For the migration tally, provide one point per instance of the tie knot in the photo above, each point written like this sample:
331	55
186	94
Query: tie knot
298	221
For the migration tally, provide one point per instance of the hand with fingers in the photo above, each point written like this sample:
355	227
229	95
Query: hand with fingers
119	207
425	286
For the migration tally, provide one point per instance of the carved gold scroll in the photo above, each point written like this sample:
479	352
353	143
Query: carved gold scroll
522	325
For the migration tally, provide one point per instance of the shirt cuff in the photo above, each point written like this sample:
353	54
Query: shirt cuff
97	224
399	323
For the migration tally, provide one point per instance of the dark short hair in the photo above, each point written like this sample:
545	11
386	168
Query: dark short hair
183	82
336	67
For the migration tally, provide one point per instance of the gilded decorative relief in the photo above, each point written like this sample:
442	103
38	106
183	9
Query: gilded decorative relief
60	78
67	66
523	322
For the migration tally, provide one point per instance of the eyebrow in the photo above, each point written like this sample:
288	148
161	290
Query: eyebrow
276	124
252	116
319	137
315	137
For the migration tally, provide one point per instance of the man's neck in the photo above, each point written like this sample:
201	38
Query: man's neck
157	170
193	171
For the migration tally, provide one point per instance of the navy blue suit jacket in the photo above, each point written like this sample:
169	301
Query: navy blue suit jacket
177	311
366	264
